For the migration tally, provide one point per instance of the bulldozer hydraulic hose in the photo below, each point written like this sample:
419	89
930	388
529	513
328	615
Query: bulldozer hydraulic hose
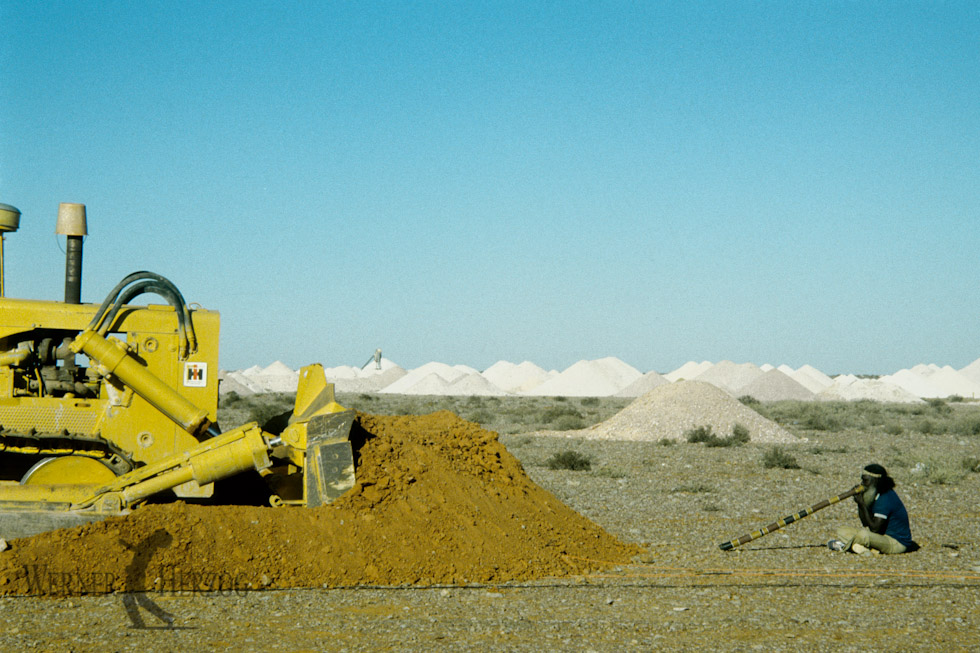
114	357
776	525
112	296
100	324
163	290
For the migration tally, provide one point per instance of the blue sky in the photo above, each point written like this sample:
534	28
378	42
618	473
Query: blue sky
548	181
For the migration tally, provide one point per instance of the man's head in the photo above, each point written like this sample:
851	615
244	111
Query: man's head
876	476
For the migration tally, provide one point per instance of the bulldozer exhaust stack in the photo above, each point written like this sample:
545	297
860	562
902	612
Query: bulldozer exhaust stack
72	223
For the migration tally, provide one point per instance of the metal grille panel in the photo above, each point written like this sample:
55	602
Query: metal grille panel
49	419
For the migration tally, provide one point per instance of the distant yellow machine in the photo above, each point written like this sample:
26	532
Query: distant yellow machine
103	407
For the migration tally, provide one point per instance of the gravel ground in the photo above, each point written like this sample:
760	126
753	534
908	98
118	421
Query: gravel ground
786	591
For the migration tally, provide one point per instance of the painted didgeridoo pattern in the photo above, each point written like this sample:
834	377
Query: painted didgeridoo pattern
776	525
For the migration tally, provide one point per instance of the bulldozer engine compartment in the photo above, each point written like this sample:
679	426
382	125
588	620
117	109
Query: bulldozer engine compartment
62	408
103	408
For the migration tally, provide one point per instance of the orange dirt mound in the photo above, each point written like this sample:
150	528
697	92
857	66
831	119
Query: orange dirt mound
438	501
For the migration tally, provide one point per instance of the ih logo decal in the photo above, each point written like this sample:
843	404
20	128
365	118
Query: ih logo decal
195	375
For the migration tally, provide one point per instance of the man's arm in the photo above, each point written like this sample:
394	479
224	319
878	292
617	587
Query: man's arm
874	524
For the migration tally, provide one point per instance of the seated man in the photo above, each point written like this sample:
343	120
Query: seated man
886	522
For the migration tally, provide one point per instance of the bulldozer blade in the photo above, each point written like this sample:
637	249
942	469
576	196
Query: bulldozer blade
27	510
314	395
21	522
329	470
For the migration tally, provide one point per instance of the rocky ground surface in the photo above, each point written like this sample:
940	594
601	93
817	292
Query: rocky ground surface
785	591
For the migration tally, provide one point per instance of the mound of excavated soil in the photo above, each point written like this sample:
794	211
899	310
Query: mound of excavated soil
438	500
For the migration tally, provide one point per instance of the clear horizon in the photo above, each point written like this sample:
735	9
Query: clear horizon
554	182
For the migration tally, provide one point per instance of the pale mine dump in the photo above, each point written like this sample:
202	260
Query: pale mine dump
610	376
668	411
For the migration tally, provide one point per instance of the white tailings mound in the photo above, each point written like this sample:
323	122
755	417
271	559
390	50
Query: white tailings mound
334	374
731	377
688	370
465	384
597	378
517	378
367	378
811	378
913	383
776	386
369	382
672	409
612	377
229	383
933	381
844	380
278	377
972	371
950	382
851	388
642	385
449	373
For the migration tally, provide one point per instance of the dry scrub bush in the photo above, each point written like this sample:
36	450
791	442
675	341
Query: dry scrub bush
967	425
569	460
777	457
942	473
971	464
704	434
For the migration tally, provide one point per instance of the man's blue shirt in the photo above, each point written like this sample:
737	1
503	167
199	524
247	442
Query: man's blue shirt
889	506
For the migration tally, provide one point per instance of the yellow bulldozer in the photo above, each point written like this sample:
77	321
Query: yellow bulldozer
104	407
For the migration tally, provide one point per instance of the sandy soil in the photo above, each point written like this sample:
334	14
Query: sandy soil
786	591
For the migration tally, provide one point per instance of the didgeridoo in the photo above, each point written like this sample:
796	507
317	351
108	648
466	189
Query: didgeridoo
796	516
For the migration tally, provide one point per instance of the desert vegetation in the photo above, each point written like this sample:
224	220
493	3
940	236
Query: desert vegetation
904	431
934	416
505	415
